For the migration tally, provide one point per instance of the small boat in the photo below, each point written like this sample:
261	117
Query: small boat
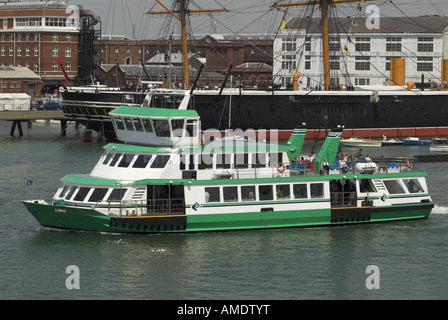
159	178
414	141
391	142
357	141
439	145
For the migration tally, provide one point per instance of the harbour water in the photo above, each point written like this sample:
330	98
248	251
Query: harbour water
287	264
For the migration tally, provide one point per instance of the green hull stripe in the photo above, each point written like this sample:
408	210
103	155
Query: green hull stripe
88	219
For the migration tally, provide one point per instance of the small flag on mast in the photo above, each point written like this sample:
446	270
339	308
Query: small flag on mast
28	182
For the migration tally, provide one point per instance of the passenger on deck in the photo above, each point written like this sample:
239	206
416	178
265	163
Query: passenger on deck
368	159
382	165
325	167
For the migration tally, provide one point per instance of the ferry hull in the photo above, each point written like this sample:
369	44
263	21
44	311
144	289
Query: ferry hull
91	220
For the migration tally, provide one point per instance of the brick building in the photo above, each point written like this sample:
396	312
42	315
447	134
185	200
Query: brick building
249	55
19	80
36	34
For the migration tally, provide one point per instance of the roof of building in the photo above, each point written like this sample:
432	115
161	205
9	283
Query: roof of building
17	73
387	25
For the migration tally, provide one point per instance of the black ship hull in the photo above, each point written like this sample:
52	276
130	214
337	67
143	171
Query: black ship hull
364	113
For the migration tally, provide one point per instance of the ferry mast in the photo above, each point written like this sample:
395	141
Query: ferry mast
182	13
325	40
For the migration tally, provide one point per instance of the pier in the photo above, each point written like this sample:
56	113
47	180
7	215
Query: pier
29	116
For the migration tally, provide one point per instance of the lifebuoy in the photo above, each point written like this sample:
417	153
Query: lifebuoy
408	163
281	167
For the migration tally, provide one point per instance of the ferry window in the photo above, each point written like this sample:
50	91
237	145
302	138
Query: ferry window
248	193
147	125
142	161
230	194
282	191
70	193
126	160
212	194
178	127
300	191
223	160
183	160
137	124
191	165
258	160
191	128
128	124
119	123
205	161
365	185
413	185
64	191
161	127
265	193
97	195
82	193
241	160
160	161
115	159
393	186
108	157
117	194
275	158
317	190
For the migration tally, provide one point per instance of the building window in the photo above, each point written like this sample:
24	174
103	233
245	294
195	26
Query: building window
19	37
335	44
68	52
362	44
36	37
19	51
3	38
11	51
68	37
362	63
3	52
28	22
54	52
27	51
362	81
425	44
335	63
36	51
307	43
55	38
27	64
116	49
11	37
68	66
5	23
54	66
36	66
27	37
424	64
55	22
19	64
307	62
288	44
388	62
289	62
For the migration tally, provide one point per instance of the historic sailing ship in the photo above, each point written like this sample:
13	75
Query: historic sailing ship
397	110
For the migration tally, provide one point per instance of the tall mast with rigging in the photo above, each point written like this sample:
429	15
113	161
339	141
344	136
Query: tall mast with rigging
182	12
325	39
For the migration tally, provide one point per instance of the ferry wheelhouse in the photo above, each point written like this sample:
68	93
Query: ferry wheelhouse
161	177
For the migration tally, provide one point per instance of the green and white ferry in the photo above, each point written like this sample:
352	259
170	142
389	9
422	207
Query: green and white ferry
161	177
